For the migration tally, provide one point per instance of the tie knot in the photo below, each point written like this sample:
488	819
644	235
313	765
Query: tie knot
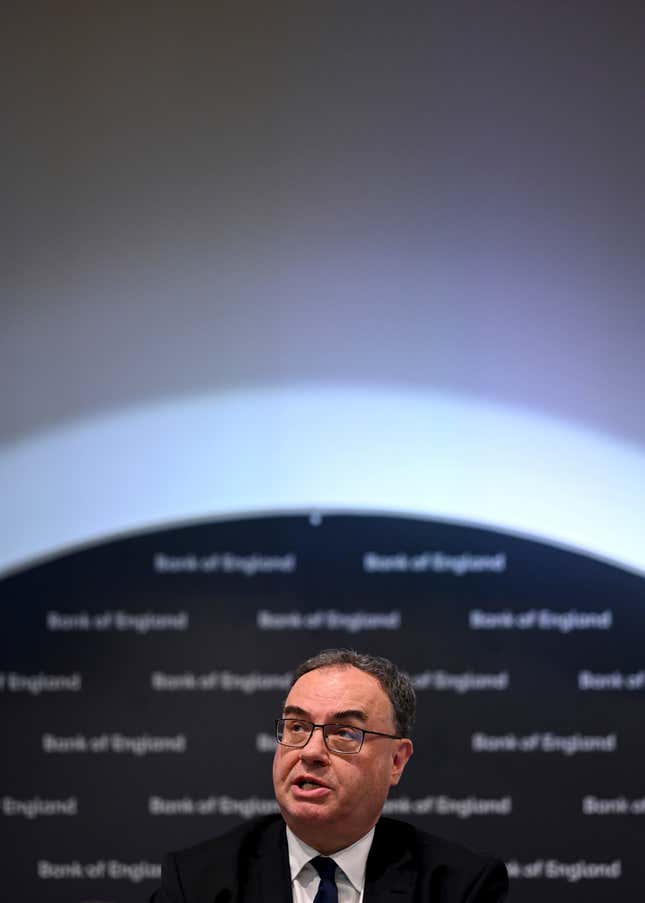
325	867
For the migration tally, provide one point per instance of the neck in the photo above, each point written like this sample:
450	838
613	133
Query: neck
325	842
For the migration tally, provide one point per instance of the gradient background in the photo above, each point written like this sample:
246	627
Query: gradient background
440	203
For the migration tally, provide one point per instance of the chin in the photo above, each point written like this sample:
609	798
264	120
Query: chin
307	814
306	818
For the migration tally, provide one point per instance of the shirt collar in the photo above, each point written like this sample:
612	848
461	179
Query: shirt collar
352	860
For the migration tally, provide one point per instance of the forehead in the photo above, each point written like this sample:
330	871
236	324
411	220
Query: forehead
339	688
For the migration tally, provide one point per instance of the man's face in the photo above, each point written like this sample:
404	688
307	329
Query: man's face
330	800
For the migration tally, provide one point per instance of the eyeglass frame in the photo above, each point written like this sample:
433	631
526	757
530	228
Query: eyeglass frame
339	752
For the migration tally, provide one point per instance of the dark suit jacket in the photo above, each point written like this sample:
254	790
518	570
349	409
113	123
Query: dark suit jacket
250	864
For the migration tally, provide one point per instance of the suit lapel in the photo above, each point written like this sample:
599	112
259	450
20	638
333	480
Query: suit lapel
268	879
391	873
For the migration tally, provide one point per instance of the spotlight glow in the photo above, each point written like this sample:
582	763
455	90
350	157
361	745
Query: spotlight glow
322	449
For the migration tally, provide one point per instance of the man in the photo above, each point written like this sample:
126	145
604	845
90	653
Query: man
343	741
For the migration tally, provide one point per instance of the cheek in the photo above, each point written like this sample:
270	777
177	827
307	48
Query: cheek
282	763
351	777
380	776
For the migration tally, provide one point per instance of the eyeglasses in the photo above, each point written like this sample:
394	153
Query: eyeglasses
339	738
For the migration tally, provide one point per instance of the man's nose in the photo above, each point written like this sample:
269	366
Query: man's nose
316	748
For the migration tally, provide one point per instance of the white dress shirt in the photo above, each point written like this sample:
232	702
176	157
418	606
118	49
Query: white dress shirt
350	874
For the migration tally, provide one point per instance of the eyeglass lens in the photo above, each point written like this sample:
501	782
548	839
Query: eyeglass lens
341	738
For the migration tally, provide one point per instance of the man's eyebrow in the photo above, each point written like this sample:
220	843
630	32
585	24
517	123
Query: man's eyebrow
352	714
293	710
346	714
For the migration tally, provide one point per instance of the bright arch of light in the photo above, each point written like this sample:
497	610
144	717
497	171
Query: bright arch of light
351	449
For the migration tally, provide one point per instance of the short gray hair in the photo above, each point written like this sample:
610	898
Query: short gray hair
394	682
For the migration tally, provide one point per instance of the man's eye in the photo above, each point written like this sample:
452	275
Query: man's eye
345	732
296	727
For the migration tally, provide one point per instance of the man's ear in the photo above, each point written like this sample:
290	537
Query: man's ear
402	752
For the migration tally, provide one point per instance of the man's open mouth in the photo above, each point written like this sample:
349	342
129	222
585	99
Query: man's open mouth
309	784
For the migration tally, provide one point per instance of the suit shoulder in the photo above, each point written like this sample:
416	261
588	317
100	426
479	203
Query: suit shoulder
432	848
229	844
446	871
218	868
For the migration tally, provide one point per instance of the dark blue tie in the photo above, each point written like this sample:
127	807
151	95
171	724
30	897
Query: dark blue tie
326	868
